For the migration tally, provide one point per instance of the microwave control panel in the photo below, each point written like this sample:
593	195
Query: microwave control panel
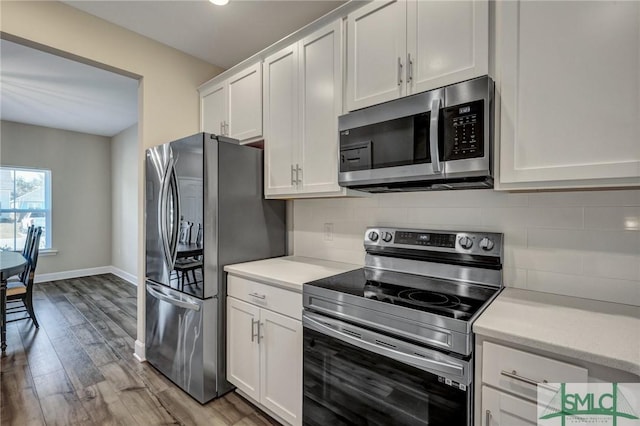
464	131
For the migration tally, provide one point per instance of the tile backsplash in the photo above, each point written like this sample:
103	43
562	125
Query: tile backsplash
584	244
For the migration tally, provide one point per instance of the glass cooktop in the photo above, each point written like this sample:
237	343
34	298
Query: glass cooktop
452	299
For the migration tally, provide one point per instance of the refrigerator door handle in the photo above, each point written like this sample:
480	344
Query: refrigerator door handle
172	300
173	245
162	217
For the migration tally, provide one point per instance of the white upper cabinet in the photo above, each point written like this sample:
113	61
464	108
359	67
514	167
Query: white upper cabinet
234	107
320	71
302	102
568	78
245	104
447	42
281	121
397	48
213	109
376	52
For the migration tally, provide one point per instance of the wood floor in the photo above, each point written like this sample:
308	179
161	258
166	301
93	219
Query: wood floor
78	368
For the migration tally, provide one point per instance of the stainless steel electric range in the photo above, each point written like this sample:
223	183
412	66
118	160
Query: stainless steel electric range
391	343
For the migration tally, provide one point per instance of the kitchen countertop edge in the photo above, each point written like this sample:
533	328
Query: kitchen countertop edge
527	331
302	269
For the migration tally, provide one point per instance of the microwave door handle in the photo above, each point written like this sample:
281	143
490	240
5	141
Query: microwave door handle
433	136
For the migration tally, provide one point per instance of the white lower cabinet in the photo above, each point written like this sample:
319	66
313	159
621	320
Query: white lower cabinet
510	378
501	409
264	358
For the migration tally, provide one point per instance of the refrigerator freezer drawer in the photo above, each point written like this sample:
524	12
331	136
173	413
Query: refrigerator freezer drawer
180	339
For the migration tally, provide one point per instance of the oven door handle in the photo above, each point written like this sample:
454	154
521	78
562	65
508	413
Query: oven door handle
435	366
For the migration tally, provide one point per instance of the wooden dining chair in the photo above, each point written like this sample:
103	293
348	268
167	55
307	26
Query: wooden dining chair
190	264
20	293
184	237
25	252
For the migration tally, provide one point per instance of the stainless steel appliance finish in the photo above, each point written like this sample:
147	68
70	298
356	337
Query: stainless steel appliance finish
217	183
440	139
411	309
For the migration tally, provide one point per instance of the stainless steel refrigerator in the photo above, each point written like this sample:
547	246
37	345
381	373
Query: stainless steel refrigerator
214	183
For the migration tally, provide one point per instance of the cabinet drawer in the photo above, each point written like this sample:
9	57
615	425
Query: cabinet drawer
285	302
517	371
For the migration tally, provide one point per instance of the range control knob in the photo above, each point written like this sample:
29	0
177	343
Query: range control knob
386	237
465	242
373	236
486	244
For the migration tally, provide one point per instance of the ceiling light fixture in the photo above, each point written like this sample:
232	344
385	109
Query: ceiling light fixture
219	2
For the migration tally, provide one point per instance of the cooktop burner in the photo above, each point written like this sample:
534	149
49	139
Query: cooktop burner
442	297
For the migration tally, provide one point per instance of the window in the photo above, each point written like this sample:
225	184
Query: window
25	199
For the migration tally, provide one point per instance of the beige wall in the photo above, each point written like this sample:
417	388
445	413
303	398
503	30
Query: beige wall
169	77
124	201
169	102
584	244
80	167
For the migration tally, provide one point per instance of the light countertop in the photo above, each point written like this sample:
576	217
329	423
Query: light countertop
289	272
603	333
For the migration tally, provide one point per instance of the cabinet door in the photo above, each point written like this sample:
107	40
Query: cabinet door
447	42
568	76
243	351
281	121
213	109
502	409
281	365
320	65
376	51
245	103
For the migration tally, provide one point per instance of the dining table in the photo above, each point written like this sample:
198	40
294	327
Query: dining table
189	250
11	263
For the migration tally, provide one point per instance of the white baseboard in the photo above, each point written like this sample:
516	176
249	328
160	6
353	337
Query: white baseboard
139	353
130	278
65	275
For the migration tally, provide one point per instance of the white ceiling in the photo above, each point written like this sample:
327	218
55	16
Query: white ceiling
220	35
47	90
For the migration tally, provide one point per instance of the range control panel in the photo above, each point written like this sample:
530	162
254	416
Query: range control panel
464	131
479	243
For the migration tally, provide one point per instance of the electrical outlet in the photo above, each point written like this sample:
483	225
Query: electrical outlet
328	232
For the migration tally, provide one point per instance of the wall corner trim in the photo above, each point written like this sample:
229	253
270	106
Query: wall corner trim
139	353
128	277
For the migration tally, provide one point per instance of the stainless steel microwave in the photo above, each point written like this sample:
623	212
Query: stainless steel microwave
440	139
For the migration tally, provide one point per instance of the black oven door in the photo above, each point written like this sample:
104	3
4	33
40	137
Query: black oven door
353	376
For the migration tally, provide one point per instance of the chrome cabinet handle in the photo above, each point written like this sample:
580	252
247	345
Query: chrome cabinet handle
298	173
515	376
258	296
409	68
293	180
226	128
487	418
399	71
254	334
222	128
433	135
